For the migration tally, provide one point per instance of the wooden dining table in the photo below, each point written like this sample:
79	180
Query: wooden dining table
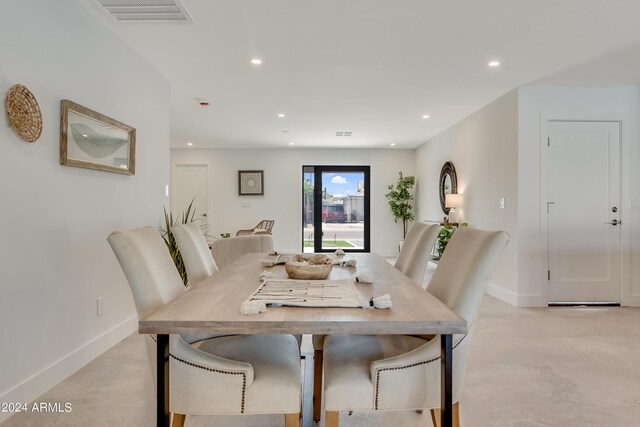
213	306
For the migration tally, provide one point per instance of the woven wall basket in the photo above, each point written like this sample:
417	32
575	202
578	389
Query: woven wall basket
24	113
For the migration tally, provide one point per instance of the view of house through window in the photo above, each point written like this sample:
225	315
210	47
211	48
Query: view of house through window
335	208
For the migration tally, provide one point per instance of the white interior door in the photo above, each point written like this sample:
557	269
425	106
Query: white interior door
189	182
583	208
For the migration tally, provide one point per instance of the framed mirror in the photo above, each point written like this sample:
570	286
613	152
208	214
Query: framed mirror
448	184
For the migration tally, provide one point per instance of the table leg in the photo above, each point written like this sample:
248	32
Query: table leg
446	380
162	380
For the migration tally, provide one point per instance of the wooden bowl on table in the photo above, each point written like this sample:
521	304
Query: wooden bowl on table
309	267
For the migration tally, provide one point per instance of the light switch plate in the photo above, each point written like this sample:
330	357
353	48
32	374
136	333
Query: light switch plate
501	203
635	203
245	204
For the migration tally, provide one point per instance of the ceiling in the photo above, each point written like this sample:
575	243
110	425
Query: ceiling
373	67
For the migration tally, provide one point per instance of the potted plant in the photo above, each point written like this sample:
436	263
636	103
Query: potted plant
445	234
187	216
400	198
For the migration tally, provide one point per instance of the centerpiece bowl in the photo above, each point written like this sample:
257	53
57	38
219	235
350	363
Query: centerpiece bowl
309	266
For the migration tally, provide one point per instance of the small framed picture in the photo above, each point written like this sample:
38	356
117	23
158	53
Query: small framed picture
250	183
92	140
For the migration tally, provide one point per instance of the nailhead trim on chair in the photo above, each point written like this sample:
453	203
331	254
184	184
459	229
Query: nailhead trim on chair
218	371
397	368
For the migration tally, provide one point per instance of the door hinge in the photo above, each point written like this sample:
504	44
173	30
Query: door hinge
548	141
548	274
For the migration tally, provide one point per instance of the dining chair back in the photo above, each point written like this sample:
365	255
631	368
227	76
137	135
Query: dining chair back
195	252
148	267
416	250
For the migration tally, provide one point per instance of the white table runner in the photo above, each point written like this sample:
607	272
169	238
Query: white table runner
308	293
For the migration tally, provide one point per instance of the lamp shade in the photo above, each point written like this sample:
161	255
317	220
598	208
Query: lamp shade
453	200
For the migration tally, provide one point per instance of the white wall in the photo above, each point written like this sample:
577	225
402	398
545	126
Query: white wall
54	260
484	150
282	200
536	103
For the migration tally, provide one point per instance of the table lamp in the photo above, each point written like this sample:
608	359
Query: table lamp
452	201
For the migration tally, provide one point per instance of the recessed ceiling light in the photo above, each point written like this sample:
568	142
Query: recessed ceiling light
189	144
256	61
393	144
425	116
291	143
494	63
86	136
281	115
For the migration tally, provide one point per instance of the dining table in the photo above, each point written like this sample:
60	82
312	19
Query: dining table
213	307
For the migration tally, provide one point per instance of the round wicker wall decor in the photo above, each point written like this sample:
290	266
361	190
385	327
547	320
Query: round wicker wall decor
24	113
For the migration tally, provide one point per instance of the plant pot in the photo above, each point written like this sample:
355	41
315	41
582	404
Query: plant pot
400	245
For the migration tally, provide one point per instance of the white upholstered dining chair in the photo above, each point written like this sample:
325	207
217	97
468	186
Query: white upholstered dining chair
195	252
412	261
257	374
416	250
396	372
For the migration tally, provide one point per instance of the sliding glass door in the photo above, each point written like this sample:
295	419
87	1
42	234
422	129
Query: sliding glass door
335	208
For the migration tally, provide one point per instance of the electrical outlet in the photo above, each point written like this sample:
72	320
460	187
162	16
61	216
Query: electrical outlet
100	306
501	203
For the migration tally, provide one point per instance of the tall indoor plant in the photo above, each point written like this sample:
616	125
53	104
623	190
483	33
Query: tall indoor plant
400	199
167	235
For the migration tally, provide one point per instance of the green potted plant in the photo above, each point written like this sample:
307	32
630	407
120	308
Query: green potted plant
165	231
400	198
445	234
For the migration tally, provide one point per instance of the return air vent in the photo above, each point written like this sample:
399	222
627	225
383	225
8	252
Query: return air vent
146	10
344	133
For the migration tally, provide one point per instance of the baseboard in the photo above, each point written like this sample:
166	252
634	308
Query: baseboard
530	301
502	294
633	301
34	386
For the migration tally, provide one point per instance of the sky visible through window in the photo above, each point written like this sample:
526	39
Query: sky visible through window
341	183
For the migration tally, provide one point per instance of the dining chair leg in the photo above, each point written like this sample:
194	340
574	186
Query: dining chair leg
331	418
456	414
435	415
292	420
317	385
178	420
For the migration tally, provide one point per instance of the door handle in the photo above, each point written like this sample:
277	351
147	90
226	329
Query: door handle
615	222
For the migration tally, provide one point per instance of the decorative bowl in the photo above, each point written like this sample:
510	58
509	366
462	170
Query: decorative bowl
309	267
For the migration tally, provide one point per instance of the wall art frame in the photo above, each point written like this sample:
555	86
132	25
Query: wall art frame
251	183
92	140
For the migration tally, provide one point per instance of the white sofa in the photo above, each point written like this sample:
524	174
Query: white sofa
226	251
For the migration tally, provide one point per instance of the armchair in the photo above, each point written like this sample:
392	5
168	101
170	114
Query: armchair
227	375
412	262
403	372
264	227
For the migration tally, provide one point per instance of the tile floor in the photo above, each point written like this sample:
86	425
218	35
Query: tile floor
560	367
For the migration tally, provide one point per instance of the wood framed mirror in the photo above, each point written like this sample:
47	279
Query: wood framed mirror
448	184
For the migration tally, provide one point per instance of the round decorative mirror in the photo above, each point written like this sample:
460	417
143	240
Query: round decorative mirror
448	184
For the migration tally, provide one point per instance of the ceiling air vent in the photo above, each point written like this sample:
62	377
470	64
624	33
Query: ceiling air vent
146	10
345	133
